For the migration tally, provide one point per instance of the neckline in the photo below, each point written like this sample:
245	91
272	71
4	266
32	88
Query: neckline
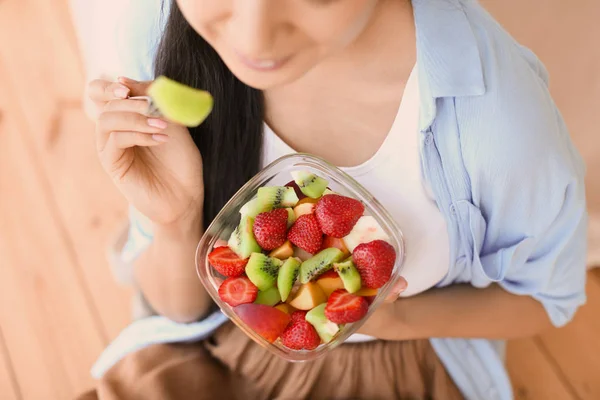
384	148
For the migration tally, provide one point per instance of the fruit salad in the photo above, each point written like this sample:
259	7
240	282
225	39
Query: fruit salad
303	263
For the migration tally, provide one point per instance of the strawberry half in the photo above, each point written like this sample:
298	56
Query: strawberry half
236	291
306	234
375	262
337	214
224	260
270	228
344	308
300	335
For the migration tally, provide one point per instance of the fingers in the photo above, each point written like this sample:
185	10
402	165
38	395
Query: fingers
114	156
101	91
114	121
399	287
136	88
125	140
134	106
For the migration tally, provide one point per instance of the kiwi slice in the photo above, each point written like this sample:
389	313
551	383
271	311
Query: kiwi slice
271	197
253	208
269	297
287	277
262	270
310	184
242	240
349	274
324	327
180	103
291	217
319	263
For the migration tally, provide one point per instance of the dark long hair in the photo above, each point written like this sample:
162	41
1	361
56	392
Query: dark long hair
230	139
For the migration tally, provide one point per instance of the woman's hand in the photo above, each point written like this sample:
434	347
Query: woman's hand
385	315
154	163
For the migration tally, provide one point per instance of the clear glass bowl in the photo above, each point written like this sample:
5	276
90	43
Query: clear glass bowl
278	174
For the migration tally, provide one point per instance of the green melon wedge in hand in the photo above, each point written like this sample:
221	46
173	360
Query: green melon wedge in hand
180	103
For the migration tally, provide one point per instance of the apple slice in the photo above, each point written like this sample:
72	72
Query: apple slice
330	282
267	321
304	208
330	241
308	297
308	200
365	230
294	185
283	252
367	292
286	308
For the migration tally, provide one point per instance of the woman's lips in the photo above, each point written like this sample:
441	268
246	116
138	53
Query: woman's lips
263	64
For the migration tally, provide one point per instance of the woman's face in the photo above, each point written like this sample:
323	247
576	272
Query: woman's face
267	43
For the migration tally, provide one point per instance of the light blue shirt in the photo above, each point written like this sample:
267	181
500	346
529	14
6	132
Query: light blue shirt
501	165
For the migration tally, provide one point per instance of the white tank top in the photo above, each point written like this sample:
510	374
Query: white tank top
393	175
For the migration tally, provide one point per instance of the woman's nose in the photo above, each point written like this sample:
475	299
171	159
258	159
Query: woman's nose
256	25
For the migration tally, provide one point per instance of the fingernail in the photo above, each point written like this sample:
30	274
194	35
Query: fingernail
157	123
121	92
401	285
160	138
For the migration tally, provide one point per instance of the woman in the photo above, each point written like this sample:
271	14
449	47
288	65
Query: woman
433	107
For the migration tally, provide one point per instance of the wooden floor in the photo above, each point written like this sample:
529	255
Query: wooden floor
59	305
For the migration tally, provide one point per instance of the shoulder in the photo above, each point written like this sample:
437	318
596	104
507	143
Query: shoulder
140	28
513	136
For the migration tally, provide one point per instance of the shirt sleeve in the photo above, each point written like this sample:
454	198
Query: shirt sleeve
138	34
528	212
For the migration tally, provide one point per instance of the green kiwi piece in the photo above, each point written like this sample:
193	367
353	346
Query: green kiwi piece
242	240
269	297
324	327
288	273
271	197
349	274
262	270
291	217
253	208
180	103
319	263
310	184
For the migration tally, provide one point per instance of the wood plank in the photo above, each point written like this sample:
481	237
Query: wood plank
62	139
8	384
41	63
51	330
575	348
91	209
532	376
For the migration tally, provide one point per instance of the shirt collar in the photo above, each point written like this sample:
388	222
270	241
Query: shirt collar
447	54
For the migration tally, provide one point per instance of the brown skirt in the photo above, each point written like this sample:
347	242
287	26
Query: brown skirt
232	366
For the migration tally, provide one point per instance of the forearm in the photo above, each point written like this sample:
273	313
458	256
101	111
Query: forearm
166	274
459	311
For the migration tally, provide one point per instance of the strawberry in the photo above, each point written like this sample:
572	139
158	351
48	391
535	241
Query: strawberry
337	214
236	291
306	234
300	335
270	228
344	308
224	260
375	262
